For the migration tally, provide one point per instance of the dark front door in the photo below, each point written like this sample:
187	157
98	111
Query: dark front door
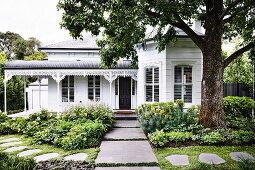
125	92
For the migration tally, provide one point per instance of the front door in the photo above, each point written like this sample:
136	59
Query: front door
125	93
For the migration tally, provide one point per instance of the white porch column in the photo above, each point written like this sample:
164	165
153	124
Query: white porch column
40	92
110	81
25	94
58	79
5	97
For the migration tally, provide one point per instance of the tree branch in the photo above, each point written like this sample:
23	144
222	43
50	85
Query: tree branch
183	26
232	5
237	53
191	33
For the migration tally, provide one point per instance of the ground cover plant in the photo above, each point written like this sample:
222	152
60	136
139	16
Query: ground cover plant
194	151
79	127
169	124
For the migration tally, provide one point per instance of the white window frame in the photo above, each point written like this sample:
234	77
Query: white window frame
153	84
183	82
68	90
94	89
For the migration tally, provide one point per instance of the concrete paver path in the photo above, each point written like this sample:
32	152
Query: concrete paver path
126	144
29	152
125	134
126	123
239	156
210	158
15	148
178	160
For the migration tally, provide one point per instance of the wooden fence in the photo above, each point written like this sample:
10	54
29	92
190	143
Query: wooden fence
236	89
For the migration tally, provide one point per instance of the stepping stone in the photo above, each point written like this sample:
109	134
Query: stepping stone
126	123
9	140
76	157
29	152
210	158
239	156
16	148
178	160
10	144
126	152
128	168
45	157
125	133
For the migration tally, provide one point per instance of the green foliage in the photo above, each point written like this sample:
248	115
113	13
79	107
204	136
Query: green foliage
243	137
11	162
214	137
179	137
37	55
82	136
159	115
158	138
239	71
246	164
238	106
96	112
240	122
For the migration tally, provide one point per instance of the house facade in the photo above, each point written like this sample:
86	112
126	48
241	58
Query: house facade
73	74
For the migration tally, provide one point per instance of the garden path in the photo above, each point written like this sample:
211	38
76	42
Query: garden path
126	147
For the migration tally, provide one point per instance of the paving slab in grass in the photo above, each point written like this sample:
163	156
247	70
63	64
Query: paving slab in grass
239	156
128	168
126	123
15	148
29	152
77	157
46	157
124	152
210	158
178	160
9	140
10	144
125	133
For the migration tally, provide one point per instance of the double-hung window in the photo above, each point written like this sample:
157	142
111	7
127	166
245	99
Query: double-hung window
152	84
183	83
68	89
94	88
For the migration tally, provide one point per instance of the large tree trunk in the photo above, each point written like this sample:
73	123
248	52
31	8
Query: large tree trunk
212	113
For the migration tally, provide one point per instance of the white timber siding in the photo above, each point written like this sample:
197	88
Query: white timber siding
183	52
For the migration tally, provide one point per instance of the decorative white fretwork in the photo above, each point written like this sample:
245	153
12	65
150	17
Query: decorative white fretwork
58	75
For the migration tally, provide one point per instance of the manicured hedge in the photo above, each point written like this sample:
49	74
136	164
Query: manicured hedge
238	106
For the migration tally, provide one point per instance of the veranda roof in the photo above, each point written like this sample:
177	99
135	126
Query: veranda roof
21	64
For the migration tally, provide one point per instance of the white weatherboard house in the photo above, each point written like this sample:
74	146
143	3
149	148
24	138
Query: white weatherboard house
73	75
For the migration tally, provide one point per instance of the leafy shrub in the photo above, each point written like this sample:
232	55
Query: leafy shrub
179	137
53	132
243	137
42	116
214	137
240	122
238	106
6	128
11	162
159	115
82	136
3	117
158	138
96	112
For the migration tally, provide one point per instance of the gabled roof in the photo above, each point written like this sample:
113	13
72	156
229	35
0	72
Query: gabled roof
88	43
179	33
21	64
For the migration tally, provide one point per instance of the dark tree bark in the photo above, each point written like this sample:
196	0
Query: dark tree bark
212	113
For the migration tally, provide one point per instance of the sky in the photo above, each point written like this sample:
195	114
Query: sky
33	18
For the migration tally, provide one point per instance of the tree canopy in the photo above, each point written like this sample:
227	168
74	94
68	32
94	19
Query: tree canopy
16	47
123	24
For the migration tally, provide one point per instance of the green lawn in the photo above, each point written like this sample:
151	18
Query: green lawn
27	141
194	151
